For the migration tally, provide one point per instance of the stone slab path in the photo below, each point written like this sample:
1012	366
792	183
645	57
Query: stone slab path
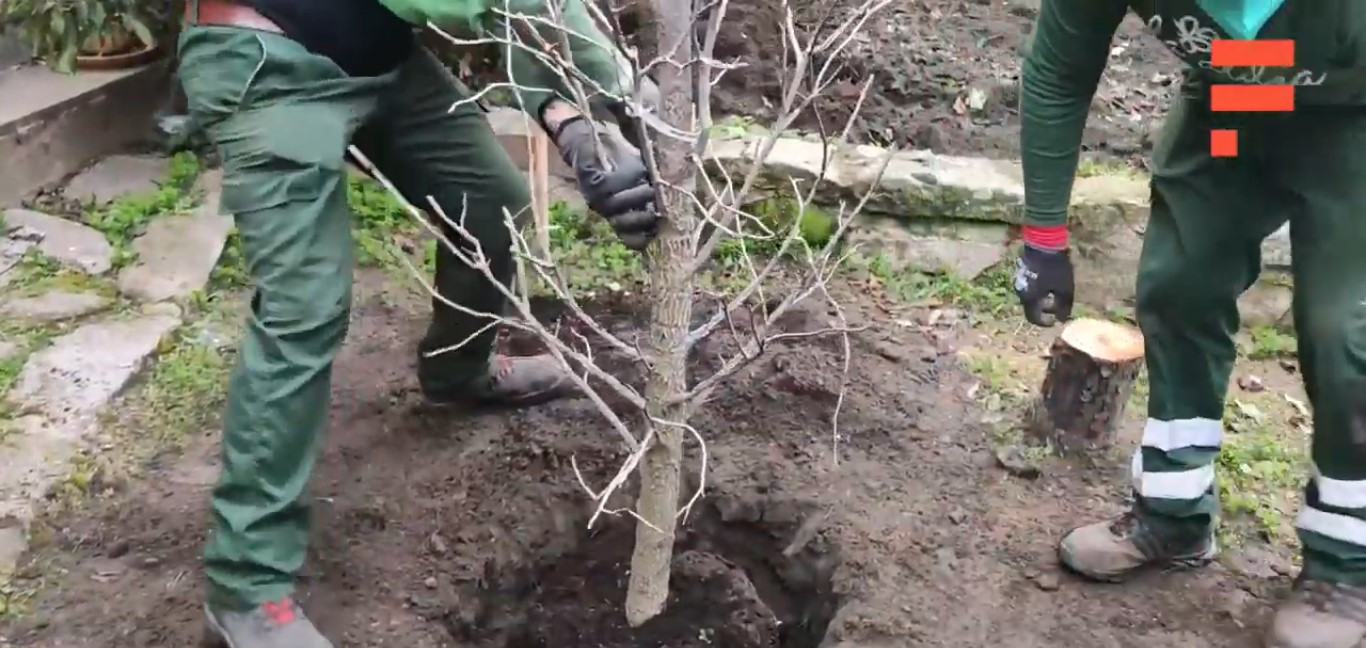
95	342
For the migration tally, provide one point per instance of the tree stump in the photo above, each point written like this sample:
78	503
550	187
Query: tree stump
1091	371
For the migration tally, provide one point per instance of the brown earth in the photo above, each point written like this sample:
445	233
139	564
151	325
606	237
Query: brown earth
933	61
927	57
447	528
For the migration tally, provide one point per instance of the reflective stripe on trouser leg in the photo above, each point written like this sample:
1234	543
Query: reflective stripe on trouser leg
1332	528
1175	462
1201	250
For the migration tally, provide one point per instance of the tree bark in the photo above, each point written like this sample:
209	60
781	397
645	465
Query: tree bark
1091	371
671	283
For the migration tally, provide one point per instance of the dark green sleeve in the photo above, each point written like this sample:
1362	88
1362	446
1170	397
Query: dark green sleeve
1071	45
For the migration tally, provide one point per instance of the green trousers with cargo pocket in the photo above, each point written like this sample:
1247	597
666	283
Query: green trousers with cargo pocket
1202	249
282	118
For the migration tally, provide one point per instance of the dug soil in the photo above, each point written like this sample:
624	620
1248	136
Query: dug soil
456	528
945	76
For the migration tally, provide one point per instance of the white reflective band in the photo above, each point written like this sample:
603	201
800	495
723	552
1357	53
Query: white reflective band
1183	433
1136	469
1337	527
1342	493
1183	485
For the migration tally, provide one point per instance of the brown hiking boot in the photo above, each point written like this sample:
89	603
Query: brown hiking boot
1319	614
1116	549
512	381
275	624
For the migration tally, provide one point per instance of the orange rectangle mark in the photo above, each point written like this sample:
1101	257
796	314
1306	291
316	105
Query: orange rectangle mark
1250	53
1251	98
1223	143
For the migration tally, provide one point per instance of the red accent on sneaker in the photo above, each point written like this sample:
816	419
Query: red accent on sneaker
1052	237
280	612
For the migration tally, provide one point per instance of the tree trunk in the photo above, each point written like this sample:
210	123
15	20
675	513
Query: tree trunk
671	282
1091	371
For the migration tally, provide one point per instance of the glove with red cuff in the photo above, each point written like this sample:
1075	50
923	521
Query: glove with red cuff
1043	275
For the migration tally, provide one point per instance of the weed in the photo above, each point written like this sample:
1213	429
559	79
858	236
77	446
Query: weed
989	294
1092	167
37	273
183	393
1268	343
1261	466
14	600
126	217
380	220
231	271
588	253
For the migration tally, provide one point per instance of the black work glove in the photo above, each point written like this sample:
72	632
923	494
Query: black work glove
1039	274
622	112
621	191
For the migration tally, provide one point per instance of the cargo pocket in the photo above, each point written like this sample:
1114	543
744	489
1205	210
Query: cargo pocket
282	153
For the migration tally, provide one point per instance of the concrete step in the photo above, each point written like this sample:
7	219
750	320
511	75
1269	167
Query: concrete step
53	124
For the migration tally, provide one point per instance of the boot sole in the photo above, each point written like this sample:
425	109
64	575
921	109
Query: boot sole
1180	563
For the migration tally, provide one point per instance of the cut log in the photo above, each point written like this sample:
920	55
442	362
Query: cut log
1091	371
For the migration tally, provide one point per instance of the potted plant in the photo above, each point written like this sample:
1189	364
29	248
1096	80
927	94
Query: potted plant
84	34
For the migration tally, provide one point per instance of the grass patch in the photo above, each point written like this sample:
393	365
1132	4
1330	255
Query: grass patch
1261	470
14	599
380	222
185	390
183	394
126	218
991	293
37	273
589	255
1270	343
1093	167
1004	385
1005	392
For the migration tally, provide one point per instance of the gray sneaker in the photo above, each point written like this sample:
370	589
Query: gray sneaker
276	624
1113	550
513	381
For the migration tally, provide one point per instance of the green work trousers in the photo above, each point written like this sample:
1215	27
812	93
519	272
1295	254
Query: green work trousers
1201	251
281	118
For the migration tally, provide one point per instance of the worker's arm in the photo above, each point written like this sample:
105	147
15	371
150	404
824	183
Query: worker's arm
1061	71
1070	48
590	50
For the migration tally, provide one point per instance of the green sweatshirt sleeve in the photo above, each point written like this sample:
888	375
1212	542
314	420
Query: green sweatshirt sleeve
1071	45
590	50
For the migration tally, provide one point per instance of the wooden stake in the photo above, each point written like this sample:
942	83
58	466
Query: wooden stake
1091	371
538	169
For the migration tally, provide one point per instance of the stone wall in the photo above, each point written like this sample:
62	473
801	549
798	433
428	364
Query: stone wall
933	212
937	212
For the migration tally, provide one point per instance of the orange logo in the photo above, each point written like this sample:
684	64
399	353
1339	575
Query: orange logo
1248	98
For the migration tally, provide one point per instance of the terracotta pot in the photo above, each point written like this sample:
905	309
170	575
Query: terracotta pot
114	42
134	55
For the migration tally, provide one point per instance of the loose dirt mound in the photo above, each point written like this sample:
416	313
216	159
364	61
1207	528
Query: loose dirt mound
929	58
446	528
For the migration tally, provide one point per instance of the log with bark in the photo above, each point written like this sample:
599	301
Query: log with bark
1091	371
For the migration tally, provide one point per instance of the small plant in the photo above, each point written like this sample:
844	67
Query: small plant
59	31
